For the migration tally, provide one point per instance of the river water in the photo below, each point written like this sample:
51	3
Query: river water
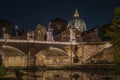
70	75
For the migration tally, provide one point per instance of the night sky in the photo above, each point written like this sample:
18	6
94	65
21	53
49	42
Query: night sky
28	13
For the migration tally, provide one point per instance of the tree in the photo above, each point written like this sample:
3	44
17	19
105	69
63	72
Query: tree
113	31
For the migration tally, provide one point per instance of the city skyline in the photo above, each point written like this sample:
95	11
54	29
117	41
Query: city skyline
27	14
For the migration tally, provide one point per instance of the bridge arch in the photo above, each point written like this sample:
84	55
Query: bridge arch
11	56
52	56
10	51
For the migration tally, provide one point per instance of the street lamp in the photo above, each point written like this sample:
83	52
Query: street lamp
16	30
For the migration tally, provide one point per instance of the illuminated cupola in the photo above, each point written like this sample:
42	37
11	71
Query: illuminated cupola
76	14
77	22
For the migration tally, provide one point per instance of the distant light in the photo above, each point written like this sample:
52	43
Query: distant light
39	31
16	27
4	29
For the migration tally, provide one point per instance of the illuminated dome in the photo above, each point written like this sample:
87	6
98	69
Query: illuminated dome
77	22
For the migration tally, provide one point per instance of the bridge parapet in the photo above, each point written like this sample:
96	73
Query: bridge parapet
36	41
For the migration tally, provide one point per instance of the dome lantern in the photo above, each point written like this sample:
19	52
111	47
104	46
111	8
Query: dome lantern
76	14
77	22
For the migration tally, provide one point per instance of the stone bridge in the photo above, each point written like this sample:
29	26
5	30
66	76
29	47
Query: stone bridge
83	50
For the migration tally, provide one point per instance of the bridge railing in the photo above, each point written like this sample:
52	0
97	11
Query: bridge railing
36	41
49	42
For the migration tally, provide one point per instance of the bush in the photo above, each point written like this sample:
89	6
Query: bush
2	71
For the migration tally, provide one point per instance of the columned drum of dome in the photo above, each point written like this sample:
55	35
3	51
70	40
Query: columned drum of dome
77	22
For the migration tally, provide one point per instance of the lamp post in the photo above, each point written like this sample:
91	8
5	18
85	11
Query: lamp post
16	30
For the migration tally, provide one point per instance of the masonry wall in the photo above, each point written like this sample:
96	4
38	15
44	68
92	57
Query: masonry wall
14	61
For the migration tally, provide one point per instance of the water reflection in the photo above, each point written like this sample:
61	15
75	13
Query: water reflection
69	75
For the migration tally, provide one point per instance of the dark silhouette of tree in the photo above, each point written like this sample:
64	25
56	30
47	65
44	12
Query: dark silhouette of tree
113	31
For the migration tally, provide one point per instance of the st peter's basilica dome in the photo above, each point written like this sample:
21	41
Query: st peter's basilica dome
77	22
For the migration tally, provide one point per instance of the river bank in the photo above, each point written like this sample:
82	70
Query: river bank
79	67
